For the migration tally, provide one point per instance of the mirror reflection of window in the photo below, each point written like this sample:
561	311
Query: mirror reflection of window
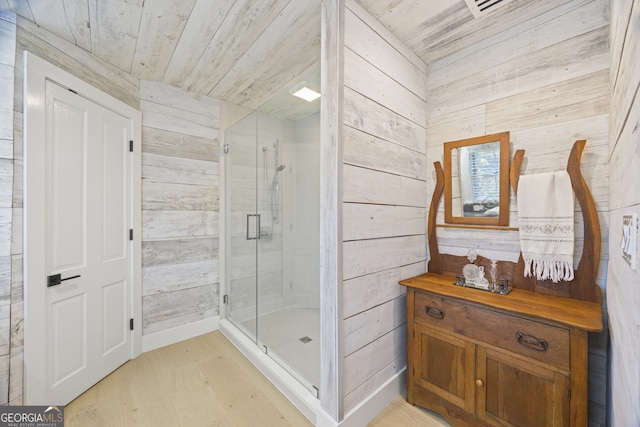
479	167
457	197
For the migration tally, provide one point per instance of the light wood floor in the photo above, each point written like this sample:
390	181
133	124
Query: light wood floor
203	381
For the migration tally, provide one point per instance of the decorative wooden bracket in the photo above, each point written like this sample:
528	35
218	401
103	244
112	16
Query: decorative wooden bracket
435	261
583	287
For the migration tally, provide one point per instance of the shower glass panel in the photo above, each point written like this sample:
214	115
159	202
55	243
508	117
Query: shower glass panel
273	207
242	224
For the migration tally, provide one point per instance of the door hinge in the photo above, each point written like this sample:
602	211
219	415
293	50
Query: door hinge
131	324
131	145
225	299
225	148
131	234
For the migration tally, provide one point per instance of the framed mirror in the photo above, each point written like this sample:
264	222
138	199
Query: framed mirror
476	180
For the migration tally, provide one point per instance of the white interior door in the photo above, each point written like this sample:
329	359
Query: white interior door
82	272
87	251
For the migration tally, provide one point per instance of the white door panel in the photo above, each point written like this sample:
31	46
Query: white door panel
114	213
68	340
114	334
66	198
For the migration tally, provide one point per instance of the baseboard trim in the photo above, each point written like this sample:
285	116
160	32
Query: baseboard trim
179	333
368	409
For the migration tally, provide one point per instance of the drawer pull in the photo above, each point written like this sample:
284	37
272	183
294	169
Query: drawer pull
434	312
532	342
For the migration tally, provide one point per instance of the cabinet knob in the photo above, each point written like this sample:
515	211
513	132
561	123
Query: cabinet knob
479	382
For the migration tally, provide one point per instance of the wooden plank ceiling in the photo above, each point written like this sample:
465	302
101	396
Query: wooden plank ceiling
250	52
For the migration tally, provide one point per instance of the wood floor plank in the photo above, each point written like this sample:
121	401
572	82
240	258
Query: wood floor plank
401	413
204	381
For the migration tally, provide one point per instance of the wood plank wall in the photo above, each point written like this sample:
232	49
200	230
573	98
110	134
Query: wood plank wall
180	206
28	36
623	293
384	199
7	69
546	81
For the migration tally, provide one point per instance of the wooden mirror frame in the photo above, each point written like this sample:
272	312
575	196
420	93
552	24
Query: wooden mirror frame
503	210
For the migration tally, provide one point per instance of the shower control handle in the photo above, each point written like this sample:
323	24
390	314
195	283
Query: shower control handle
256	234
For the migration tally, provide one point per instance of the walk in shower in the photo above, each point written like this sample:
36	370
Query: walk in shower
272	215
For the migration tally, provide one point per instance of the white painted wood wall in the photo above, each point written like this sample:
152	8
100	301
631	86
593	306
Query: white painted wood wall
384	200
623	292
7	69
546	80
180	206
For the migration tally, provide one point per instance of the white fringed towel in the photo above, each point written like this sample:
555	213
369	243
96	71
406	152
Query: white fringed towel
545	214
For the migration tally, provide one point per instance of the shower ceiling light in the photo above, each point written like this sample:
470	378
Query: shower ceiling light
306	91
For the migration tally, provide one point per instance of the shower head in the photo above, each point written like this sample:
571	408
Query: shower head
276	178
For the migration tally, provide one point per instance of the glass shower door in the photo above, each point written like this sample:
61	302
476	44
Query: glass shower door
288	248
272	279
243	225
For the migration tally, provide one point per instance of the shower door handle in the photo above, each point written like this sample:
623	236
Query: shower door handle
256	226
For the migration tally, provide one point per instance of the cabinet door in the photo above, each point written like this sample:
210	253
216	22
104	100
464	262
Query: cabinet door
519	393
444	365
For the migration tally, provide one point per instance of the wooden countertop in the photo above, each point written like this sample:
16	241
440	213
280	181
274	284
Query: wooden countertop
570	312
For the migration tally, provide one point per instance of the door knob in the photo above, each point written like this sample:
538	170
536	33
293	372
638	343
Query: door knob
56	279
479	382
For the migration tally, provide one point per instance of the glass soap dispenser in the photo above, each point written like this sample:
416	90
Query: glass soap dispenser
493	272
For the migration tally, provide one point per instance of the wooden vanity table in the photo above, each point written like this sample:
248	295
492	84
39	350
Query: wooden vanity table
481	358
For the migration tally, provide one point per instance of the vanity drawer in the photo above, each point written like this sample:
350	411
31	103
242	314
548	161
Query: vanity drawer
546	343
438	311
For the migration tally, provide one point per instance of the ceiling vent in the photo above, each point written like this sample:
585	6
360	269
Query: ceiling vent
482	7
